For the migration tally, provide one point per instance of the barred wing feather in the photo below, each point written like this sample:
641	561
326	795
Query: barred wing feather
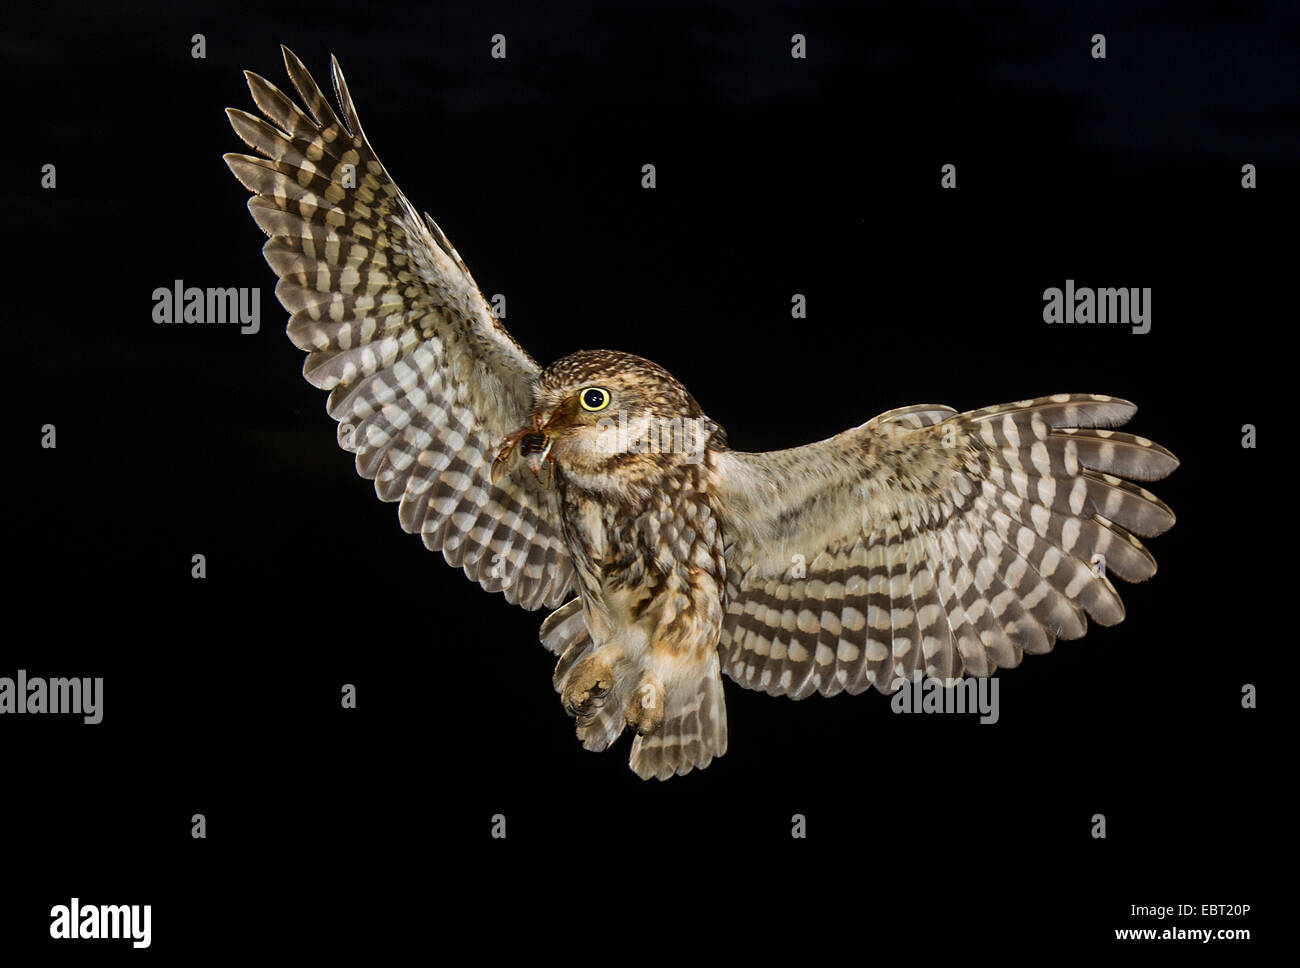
927	541
423	380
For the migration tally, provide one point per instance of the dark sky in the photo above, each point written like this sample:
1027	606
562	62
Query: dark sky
775	176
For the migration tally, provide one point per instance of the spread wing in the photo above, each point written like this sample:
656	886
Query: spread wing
424	381
931	541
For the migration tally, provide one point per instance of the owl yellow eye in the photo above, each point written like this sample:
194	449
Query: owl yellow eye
594	398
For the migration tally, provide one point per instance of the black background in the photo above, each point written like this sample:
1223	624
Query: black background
332	829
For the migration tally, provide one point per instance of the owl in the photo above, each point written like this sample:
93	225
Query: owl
922	543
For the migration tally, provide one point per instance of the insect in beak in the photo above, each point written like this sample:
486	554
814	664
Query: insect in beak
534	441
535	460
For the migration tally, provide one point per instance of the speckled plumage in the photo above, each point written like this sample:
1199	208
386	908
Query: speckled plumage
924	541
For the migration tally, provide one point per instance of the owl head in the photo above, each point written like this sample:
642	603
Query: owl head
599	414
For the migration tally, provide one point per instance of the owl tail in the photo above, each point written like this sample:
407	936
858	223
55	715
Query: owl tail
694	727
693	731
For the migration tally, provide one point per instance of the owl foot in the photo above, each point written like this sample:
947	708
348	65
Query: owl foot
585	688
645	710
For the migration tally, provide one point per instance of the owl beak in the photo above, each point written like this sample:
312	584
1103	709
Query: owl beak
556	422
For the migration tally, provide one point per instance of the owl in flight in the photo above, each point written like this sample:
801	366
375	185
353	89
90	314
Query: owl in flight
923	542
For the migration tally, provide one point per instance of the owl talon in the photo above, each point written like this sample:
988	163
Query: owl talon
645	711
587	684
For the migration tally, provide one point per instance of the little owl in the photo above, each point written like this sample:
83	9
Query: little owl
925	542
